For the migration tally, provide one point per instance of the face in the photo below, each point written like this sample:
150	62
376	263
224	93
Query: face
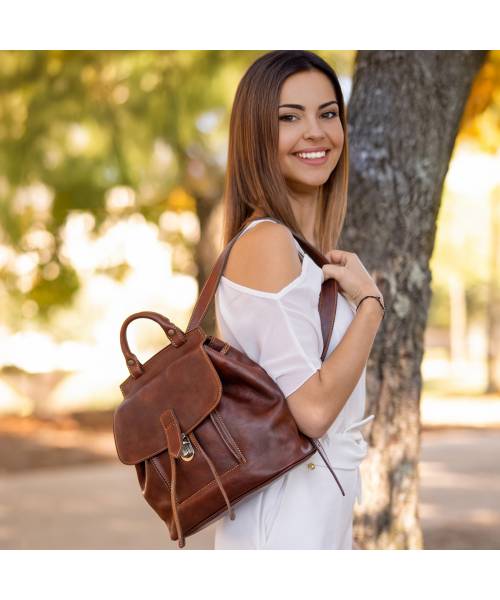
314	126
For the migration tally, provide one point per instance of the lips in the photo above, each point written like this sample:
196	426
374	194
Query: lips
309	150
312	161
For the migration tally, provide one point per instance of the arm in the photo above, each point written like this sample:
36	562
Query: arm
265	259
330	388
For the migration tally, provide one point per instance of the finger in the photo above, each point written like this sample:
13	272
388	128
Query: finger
331	270
337	256
332	255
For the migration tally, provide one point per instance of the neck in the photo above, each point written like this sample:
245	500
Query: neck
304	217
304	203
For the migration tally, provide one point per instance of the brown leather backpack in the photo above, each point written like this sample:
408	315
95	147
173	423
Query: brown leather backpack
203	424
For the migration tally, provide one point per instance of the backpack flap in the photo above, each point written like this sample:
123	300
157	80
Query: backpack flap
182	379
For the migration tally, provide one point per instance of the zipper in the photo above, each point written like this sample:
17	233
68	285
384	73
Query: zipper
221	428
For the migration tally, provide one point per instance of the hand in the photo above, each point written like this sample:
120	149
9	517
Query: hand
354	280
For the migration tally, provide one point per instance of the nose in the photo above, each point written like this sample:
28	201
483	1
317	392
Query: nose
313	129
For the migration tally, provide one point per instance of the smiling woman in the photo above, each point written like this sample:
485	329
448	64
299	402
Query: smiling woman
313	120
287	172
288	103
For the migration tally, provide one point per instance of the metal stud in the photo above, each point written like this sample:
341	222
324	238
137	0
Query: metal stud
130	361
170	332
311	466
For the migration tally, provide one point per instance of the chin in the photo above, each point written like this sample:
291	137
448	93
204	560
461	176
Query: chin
312	182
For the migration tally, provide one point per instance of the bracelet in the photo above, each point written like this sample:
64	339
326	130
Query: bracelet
378	299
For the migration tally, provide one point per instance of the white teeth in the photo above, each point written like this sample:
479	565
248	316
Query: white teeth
312	154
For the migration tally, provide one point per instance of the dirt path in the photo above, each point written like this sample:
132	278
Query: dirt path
98	505
460	489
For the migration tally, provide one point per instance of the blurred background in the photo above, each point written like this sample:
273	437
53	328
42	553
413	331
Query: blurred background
111	177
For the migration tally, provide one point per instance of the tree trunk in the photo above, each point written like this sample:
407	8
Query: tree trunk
404	114
207	251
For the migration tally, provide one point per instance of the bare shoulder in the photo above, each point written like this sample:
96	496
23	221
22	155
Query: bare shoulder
264	258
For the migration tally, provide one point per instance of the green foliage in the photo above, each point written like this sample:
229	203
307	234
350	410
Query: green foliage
82	122
79	123
59	291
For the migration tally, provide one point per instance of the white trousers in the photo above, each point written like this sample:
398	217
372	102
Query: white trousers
302	510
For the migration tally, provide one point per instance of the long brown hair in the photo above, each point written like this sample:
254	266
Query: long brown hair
253	176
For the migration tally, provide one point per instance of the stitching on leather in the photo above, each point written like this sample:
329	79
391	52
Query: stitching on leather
213	482
223	424
171	424
226	430
226	433
196	443
235	451
214	374
164	479
215	377
130	378
222	434
169	418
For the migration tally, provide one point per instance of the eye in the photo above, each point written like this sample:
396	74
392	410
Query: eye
289	118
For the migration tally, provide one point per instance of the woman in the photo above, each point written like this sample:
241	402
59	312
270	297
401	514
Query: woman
287	161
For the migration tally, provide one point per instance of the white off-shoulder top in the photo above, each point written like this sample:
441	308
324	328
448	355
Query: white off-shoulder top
281	331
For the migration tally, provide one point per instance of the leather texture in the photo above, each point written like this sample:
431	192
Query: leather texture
203	424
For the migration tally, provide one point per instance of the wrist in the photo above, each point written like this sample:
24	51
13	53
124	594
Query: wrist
373	303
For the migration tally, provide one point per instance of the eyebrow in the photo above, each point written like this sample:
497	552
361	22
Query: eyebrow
300	107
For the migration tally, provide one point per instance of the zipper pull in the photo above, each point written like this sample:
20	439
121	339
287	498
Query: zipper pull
187	450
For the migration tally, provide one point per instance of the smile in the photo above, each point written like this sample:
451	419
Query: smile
313	158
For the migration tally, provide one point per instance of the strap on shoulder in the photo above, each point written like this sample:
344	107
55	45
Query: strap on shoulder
327	304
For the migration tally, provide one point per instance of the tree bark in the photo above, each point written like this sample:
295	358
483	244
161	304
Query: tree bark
404	115
207	251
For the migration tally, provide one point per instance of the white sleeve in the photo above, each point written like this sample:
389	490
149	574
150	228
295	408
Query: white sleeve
281	332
